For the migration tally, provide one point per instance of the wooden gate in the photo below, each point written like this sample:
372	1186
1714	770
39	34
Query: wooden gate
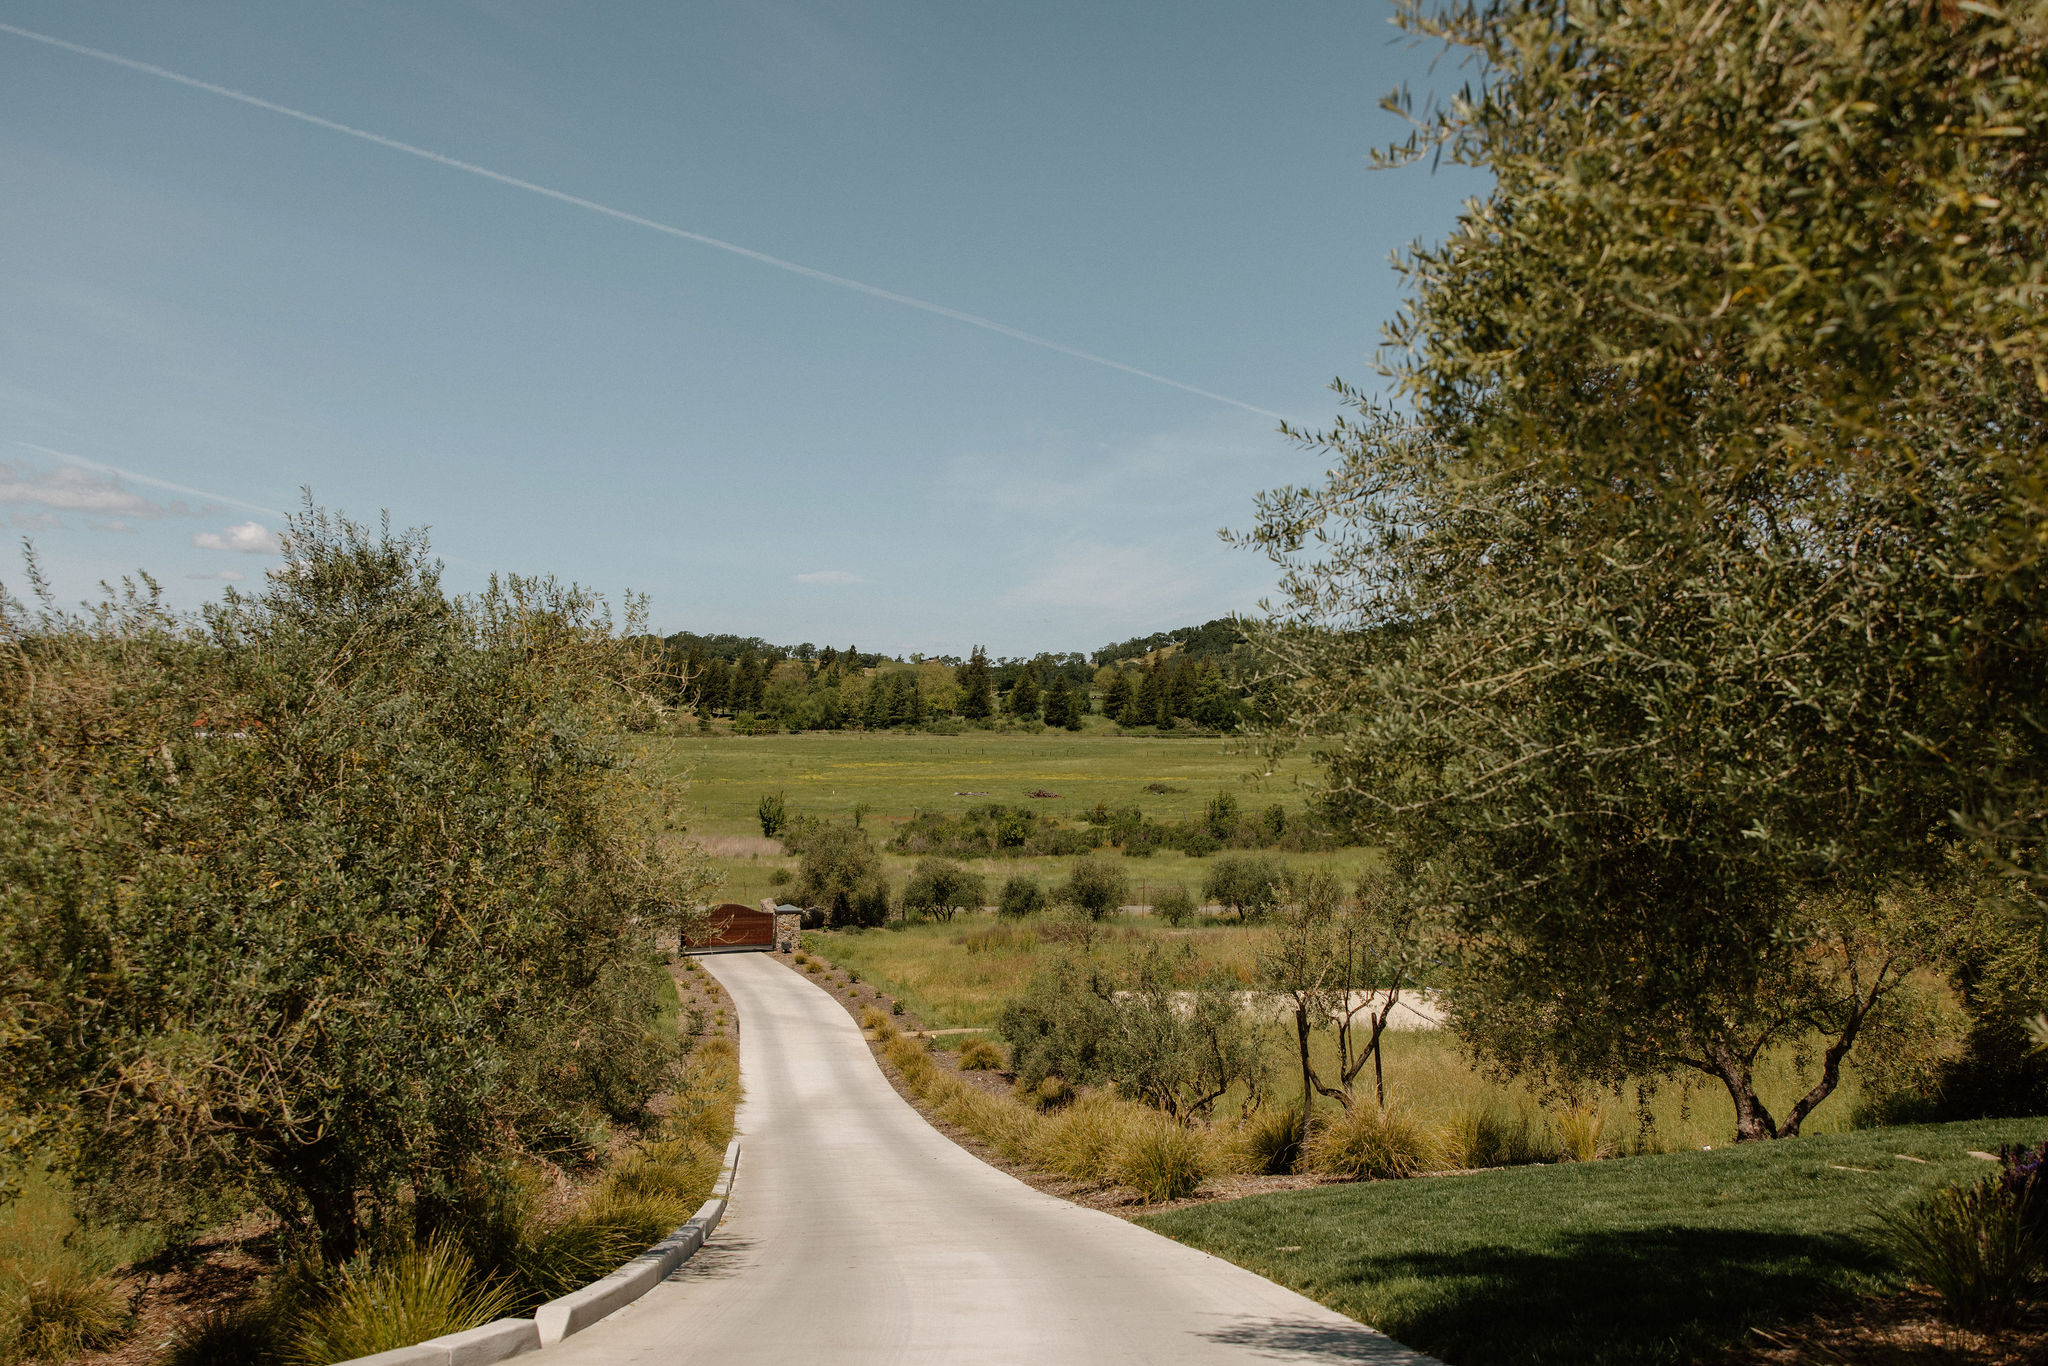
733	928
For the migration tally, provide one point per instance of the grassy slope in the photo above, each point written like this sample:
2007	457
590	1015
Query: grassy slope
1646	1259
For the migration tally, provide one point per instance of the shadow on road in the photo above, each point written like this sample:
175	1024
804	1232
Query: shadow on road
1305	1340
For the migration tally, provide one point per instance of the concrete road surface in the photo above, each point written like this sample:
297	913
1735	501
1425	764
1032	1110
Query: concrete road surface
858	1233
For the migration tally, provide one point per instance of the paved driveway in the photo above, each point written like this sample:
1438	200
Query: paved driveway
857	1233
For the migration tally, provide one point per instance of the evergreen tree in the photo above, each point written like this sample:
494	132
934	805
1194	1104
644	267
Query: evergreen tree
1024	695
874	712
1116	698
1059	704
1180	693
1145	708
716	688
975	701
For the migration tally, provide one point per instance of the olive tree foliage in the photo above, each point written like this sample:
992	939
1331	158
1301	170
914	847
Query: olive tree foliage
1155	1026
940	888
342	889
839	871
1663	636
1095	887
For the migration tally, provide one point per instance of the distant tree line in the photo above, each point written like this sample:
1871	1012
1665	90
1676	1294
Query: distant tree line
772	687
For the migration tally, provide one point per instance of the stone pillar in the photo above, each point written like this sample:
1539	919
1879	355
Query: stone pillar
789	926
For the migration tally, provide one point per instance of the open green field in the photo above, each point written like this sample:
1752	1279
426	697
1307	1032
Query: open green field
1648	1259
892	773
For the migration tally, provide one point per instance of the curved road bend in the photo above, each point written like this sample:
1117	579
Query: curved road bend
858	1233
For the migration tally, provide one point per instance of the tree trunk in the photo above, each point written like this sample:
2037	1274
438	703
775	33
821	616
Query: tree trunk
1752	1120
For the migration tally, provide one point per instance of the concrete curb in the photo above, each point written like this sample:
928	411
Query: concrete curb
578	1309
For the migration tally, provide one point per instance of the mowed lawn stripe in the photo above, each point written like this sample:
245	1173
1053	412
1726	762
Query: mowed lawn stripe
1637	1260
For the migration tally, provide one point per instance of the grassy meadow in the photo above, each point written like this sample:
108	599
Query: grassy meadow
893	773
884	777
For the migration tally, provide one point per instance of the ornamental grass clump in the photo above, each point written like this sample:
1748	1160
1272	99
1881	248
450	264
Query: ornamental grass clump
1161	1159
1082	1141
1269	1142
378	1305
1983	1248
983	1055
1490	1136
63	1308
1368	1143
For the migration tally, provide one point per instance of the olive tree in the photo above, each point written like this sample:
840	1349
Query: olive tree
1661	637
1094	886
940	888
1246	883
336	892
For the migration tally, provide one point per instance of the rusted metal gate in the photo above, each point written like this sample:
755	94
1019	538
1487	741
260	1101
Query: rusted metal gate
732	928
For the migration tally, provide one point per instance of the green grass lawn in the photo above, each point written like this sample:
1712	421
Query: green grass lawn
1636	1260
894	773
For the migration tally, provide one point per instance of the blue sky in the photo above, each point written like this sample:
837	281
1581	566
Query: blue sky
228	304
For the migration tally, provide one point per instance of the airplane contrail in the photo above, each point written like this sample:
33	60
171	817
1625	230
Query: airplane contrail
151	480
654	225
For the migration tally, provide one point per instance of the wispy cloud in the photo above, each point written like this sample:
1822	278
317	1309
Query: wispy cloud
223	575
72	489
35	521
252	538
117	472
829	576
669	229
112	524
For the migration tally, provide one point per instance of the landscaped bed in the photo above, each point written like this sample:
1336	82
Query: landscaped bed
1670	1258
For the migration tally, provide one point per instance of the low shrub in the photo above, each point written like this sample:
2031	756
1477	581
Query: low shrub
1161	1160
1367	1142
983	1055
1982	1247
1269	1142
379	1305
873	1017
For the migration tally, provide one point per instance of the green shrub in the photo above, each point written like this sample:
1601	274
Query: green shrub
1174	906
1973	1247
1367	1142
1269	1143
1161	1160
377	1305
982	1055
